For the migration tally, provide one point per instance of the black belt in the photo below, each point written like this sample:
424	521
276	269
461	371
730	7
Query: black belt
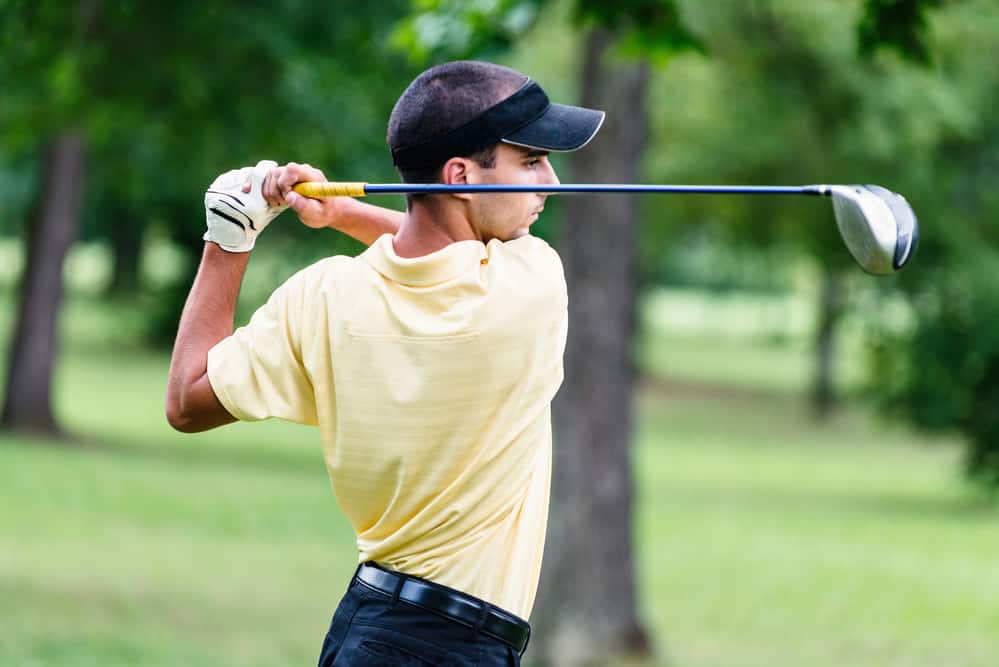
465	609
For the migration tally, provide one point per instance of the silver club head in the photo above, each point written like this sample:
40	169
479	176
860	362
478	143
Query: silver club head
877	225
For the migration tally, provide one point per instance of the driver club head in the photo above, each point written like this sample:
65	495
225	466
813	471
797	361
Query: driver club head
878	226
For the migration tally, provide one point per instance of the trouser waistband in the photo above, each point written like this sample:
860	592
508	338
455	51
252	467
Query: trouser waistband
455	605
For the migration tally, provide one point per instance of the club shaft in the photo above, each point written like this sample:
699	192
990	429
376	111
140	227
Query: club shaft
362	189
391	188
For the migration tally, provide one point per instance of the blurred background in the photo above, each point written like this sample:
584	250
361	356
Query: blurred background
764	456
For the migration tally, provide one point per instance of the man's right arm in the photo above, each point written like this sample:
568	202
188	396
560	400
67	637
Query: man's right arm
362	221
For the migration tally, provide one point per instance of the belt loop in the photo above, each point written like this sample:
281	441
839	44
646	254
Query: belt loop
483	615
398	589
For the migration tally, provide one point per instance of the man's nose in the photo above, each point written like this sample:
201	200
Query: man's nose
551	177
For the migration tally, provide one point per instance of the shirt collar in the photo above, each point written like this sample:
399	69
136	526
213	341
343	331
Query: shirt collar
439	266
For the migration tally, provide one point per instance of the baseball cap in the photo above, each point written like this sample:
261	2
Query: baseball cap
526	118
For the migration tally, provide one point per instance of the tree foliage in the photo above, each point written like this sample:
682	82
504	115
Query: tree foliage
170	94
891	92
943	374
645	29
895	24
440	30
939	368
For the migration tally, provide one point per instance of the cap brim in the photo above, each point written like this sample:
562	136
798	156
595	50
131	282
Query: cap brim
559	128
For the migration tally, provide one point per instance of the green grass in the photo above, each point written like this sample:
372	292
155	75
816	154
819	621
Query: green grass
763	538
145	546
766	540
139	545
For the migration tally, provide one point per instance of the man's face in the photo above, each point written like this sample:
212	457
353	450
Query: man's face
507	216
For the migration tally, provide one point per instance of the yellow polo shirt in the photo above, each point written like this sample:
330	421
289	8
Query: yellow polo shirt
431	381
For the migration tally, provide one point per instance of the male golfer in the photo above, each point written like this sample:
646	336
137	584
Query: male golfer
428	363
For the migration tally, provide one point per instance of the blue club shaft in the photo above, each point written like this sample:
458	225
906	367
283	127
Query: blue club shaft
568	188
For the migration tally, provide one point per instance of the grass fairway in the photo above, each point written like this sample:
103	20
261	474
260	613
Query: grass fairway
148	547
767	541
764	540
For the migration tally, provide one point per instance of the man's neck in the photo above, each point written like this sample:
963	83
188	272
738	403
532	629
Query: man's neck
429	227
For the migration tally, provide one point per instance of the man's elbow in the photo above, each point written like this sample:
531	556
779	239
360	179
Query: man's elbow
184	415
180	420
195	408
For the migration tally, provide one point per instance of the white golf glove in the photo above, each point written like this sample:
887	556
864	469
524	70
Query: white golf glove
235	217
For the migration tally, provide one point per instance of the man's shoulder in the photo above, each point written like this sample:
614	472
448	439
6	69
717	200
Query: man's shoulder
322	276
531	275
535	257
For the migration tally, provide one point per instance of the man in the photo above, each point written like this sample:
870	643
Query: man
428	362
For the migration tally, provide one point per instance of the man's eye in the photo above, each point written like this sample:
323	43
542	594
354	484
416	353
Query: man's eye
533	163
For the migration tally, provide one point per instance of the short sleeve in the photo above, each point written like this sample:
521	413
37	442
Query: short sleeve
258	372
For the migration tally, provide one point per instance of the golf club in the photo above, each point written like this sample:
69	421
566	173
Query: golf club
878	226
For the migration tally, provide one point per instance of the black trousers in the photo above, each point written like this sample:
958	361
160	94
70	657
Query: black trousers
369	628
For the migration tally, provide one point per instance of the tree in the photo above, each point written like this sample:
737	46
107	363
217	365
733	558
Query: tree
587	605
588	608
28	400
940	371
785	96
56	214
187	106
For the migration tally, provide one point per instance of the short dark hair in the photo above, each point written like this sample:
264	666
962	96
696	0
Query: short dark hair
446	97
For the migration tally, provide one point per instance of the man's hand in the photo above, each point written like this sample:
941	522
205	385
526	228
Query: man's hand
345	214
235	208
315	213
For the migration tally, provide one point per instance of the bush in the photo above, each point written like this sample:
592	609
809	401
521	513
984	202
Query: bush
943	372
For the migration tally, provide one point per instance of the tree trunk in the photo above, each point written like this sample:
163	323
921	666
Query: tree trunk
28	402
126	247
587	606
831	304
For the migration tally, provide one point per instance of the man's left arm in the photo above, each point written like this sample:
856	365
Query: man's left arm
192	405
239	205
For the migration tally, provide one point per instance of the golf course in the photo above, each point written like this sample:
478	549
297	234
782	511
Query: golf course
763	537
658	333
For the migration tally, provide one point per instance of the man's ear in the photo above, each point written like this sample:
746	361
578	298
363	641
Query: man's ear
457	171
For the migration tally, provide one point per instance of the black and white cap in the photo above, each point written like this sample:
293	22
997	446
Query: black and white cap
526	118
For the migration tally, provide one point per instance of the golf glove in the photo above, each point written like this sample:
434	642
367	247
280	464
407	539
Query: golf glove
235	217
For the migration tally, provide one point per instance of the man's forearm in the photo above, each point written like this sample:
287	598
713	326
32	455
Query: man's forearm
366	222
206	320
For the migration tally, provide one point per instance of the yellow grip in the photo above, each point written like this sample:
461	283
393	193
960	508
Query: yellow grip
316	189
